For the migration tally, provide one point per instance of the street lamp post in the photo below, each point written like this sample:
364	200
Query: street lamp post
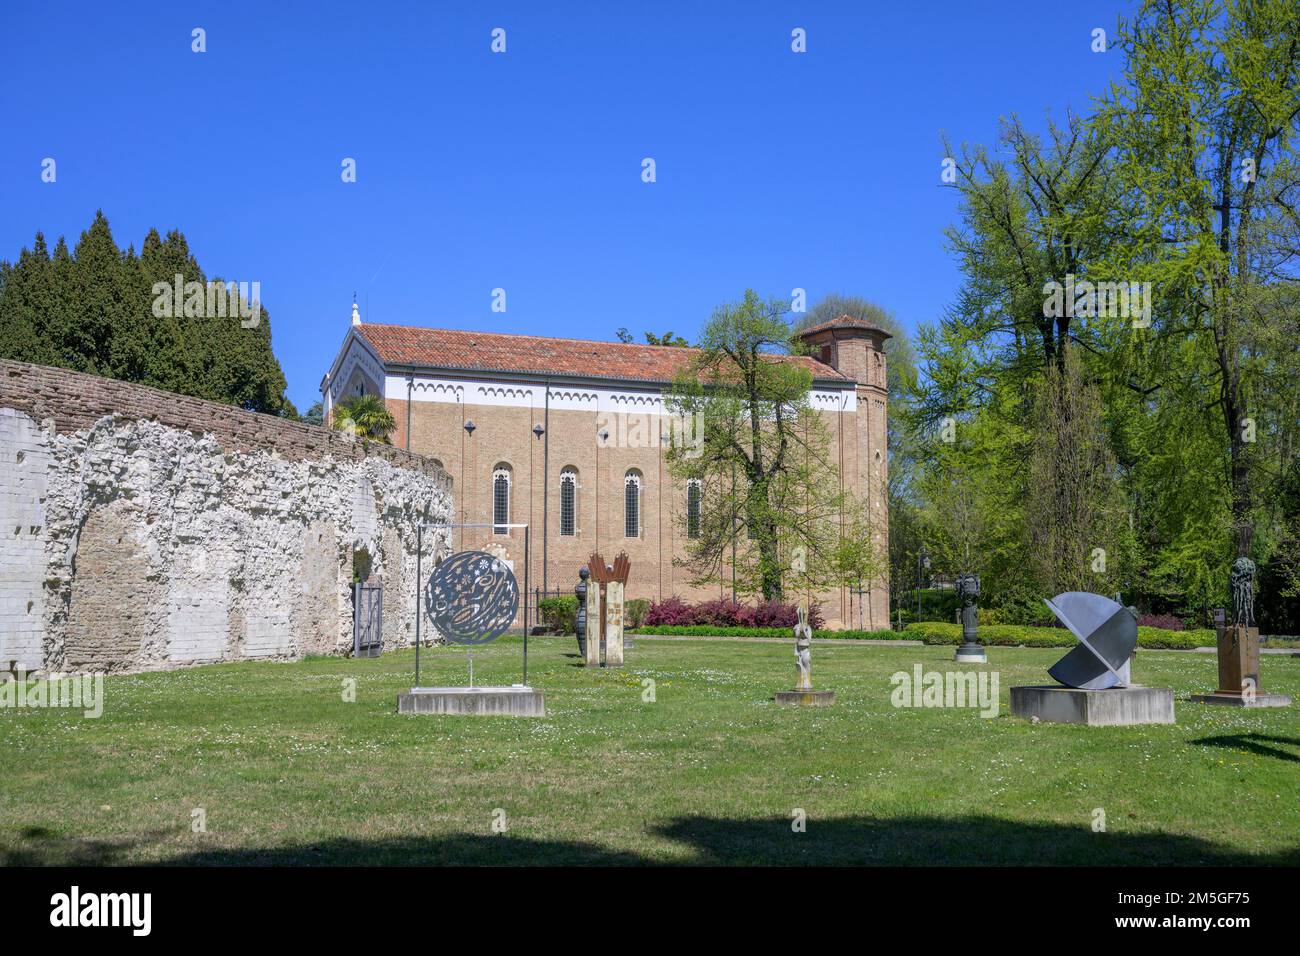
922	559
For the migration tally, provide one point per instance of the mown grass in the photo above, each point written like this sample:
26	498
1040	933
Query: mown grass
286	771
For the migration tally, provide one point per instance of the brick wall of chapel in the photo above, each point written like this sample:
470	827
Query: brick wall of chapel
503	434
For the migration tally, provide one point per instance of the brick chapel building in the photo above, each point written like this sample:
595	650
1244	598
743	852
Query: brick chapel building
569	436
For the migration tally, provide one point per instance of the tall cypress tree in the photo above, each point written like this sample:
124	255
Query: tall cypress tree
92	310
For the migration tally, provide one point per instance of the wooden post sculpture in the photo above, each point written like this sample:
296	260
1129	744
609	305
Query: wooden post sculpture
609	582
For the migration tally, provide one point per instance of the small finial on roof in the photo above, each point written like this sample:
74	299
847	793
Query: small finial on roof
356	313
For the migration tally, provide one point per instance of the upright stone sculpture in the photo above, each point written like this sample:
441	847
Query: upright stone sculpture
1238	648
594	616
971	650
803	651
803	693
605	605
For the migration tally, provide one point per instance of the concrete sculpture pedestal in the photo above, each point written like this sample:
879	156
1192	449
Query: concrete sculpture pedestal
805	698
1243	700
1111	707
514	701
1238	648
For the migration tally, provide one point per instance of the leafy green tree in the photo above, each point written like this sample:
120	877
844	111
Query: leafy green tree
1203	126
668	338
771	496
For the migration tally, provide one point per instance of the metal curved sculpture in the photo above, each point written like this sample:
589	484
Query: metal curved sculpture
1107	634
472	597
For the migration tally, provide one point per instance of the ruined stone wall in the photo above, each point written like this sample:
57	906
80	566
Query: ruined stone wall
141	530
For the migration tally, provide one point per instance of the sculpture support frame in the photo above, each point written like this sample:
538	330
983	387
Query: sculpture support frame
419	589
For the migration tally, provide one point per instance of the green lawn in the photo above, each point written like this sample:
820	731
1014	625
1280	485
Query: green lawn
286	771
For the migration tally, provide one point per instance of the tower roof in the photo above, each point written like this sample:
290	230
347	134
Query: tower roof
847	323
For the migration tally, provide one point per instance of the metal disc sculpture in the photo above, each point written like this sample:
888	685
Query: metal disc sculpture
1107	634
472	597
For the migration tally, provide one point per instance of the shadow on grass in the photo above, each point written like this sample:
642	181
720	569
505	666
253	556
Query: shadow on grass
854	841
1255	744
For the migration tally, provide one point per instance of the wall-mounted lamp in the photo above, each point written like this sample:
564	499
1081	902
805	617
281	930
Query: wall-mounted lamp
470	426
539	431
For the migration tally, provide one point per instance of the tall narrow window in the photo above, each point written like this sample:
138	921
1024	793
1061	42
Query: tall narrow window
569	502
693	508
500	499
632	504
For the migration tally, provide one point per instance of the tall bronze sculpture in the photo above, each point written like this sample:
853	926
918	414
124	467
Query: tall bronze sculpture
1238	647
968	591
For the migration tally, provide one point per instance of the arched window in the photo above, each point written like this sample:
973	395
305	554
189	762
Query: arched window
569	502
693	495
632	504
500	499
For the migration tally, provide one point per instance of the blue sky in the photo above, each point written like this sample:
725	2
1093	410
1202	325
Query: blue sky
522	170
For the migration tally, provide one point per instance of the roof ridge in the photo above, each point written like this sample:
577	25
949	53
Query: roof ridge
526	335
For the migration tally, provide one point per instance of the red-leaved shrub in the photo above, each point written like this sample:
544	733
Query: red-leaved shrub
723	613
1164	621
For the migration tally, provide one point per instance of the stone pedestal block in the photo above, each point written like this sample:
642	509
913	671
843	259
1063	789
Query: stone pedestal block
1113	707
1243	700
971	654
805	698
515	701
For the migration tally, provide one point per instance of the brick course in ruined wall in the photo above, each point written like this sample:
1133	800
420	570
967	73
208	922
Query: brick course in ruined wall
142	530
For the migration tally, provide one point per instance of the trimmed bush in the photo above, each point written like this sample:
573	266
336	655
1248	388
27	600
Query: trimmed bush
636	611
707	630
560	614
1011	635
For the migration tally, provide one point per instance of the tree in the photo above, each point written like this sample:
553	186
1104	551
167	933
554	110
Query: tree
365	416
668	338
315	414
1204	130
1074	509
770	489
92	310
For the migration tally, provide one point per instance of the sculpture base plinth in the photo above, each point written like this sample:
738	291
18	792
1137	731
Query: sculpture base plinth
515	701
805	698
1114	707
972	654
1228	699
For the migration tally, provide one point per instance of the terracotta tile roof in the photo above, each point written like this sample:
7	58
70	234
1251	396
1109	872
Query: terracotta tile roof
844	322
457	350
